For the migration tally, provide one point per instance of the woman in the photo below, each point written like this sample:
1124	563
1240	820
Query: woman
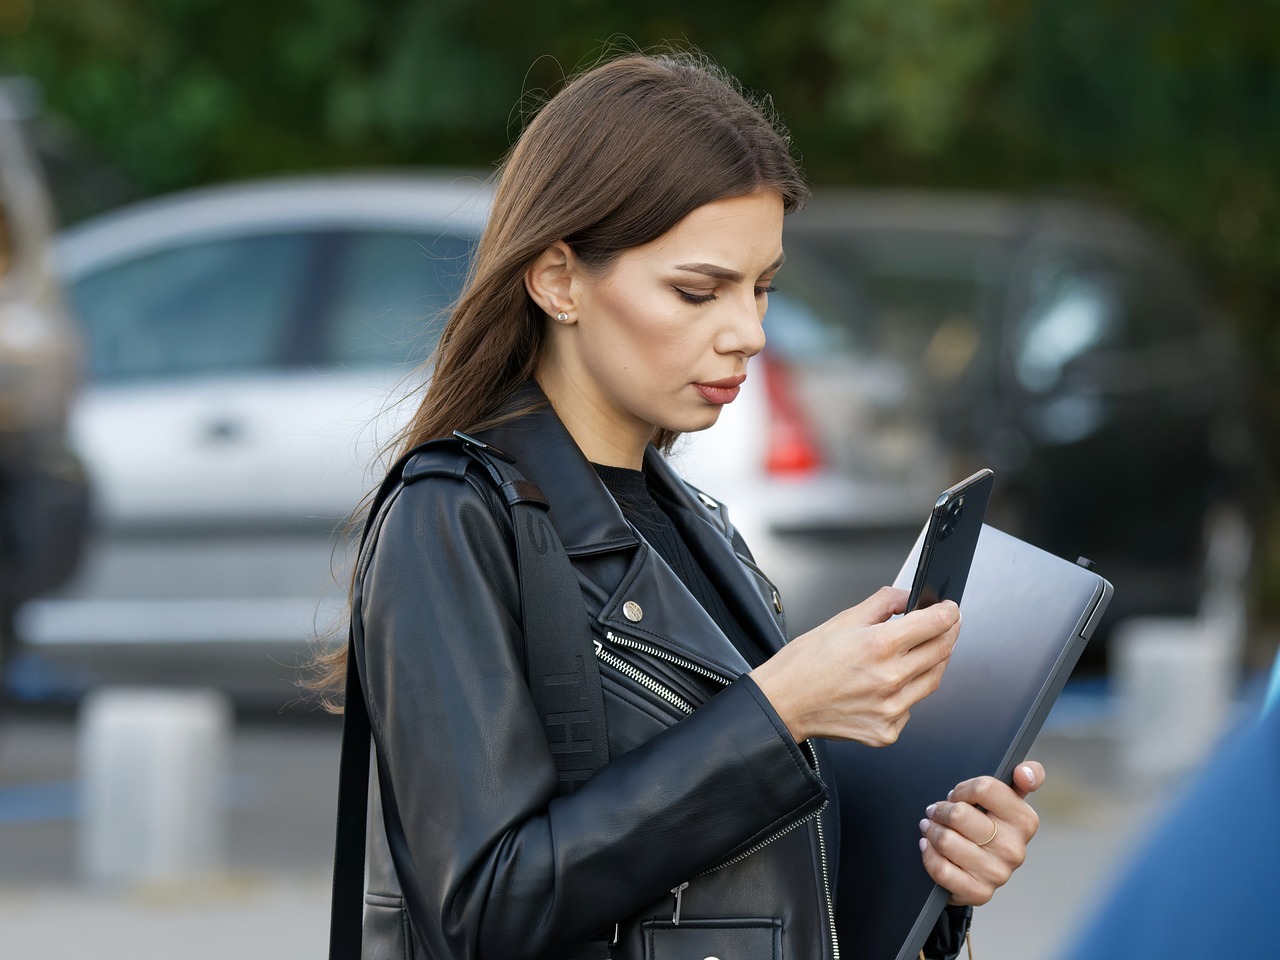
616	298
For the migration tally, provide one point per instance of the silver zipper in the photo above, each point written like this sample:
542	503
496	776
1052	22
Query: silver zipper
757	847
679	893
661	654
822	855
642	678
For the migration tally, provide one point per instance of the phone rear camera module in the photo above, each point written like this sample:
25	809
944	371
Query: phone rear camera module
954	511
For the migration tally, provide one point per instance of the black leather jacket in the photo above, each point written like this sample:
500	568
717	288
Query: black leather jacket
472	854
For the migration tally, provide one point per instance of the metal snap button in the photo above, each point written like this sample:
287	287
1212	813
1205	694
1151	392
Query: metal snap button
777	601
707	501
631	610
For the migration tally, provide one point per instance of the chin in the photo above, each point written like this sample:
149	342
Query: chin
692	423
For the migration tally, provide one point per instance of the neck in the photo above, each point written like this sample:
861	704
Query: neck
598	435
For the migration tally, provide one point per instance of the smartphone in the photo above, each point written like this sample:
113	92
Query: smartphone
950	539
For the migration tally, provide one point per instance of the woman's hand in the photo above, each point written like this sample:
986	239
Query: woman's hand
977	837
857	676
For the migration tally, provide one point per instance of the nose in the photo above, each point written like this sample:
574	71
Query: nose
743	332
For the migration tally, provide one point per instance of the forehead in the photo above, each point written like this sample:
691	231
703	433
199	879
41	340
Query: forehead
742	233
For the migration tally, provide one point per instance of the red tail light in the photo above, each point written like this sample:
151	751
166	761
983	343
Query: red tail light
791	451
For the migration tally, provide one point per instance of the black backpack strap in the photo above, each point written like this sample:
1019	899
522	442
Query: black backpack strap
560	661
562	673
346	911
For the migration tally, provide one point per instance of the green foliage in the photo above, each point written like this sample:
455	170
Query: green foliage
910	68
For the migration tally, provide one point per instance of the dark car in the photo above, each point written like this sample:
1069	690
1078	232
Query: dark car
1058	342
43	488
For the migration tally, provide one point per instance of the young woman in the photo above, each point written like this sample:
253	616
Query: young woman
616	300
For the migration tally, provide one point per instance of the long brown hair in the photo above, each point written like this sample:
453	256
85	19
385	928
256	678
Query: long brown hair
617	158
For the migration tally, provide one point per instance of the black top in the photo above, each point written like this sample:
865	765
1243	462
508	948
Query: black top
650	514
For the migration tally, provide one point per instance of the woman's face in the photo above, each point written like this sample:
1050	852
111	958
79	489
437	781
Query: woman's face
661	338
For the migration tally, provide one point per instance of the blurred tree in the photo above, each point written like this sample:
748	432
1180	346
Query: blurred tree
178	92
910	68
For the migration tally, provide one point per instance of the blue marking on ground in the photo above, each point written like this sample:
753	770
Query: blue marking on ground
39	802
55	800
1083	703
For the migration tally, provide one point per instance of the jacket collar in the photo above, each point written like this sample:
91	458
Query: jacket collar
583	513
588	520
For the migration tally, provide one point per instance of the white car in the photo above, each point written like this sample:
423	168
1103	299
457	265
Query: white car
246	348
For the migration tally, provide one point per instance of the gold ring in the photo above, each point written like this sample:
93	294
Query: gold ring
995	828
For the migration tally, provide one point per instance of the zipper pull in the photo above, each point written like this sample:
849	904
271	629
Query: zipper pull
679	892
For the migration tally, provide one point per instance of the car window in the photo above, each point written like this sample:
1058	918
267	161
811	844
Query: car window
1162	303
1083	303
908	297
215	306
391	293
1075	305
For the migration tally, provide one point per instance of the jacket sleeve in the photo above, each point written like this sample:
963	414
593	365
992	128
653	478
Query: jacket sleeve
491	861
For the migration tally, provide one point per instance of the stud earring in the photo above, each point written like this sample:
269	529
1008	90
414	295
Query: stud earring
562	316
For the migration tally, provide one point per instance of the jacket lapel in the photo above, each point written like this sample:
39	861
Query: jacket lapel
649	601
703	526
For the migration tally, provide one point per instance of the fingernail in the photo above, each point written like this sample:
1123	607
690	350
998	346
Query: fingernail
928	811
950	793
924	844
1029	774
924	826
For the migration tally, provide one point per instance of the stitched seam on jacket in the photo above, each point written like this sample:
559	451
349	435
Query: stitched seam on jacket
793	748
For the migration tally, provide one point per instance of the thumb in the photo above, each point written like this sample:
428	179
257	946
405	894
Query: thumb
1028	777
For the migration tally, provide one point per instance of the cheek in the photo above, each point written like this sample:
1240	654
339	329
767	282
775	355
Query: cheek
645	341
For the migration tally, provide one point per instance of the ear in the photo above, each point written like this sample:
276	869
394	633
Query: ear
549	281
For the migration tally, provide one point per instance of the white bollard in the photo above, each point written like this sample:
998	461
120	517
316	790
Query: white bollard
1175	679
152	766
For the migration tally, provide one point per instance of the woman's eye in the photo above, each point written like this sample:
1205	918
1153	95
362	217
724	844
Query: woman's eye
694	298
762	291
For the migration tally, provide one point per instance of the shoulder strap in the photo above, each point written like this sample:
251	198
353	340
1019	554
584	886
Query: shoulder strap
560	662
562	673
346	910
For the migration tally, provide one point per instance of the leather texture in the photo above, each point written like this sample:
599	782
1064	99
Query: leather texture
472	852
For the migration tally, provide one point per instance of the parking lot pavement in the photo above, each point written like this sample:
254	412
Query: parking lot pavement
272	900
284	918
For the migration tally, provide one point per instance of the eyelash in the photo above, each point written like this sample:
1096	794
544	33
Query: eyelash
697	299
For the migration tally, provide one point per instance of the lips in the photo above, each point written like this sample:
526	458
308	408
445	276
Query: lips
720	392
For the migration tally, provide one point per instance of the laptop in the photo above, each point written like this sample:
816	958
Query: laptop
1027	617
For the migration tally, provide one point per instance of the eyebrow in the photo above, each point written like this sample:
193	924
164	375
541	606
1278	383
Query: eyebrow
724	273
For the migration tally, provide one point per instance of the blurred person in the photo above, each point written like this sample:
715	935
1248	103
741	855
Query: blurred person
617	295
1203	884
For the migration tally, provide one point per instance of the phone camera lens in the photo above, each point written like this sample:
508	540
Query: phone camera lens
952	517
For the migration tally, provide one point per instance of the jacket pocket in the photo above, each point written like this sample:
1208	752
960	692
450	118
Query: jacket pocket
625	658
738	939
385	934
